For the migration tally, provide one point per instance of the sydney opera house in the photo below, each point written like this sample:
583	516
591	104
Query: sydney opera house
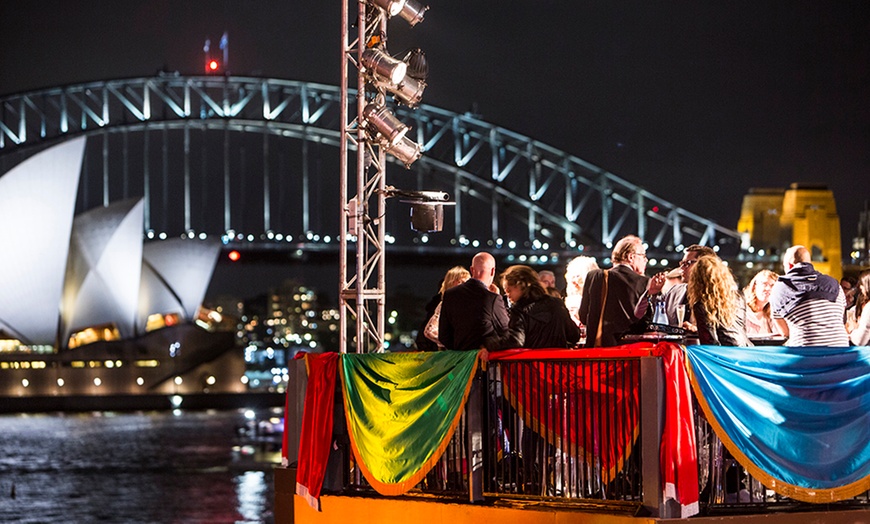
88	309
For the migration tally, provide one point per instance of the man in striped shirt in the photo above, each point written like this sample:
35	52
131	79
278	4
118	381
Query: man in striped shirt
807	305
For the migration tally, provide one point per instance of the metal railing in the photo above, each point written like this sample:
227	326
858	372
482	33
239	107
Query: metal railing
583	433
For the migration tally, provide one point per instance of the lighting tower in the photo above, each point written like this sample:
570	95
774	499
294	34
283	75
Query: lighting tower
373	131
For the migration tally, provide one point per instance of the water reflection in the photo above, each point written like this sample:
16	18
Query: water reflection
131	468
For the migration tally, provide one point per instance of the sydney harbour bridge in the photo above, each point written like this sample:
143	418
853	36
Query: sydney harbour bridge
255	161
262	164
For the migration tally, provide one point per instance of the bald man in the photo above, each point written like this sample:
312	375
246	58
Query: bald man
473	311
806	305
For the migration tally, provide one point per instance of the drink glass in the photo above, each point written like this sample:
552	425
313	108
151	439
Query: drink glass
681	314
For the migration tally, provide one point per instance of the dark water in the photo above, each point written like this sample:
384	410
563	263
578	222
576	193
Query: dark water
131	468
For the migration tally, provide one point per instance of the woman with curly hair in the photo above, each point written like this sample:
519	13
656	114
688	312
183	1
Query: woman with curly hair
718	308
757	295
537	319
860	336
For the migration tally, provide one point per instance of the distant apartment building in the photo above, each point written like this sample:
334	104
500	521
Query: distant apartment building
773	219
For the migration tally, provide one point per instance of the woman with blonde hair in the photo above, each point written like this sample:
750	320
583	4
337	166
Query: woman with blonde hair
455	275
719	309
757	295
575	276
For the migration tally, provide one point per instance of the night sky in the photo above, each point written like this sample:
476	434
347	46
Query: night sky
696	101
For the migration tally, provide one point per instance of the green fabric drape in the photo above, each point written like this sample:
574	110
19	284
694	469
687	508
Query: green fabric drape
402	410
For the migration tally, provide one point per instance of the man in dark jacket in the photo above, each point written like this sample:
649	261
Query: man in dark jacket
473	311
609	315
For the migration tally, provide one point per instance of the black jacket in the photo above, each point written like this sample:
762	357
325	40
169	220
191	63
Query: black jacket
471	314
541	323
624	288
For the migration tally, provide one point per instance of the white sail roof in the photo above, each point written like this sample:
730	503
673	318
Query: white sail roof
175	277
105	264
37	202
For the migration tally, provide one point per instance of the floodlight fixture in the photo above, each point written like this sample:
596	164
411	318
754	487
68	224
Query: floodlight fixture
383	67
384	122
427	207
410	10
427	218
406	151
413	11
409	91
391	7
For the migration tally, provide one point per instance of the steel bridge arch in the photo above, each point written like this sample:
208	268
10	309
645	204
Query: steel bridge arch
512	192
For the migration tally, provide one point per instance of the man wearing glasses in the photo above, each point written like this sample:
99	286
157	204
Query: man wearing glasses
675	296
609	296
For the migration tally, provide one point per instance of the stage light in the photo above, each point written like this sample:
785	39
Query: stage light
410	10
427	218
413	12
384	122
406	150
427	208
409	91
391	7
383	67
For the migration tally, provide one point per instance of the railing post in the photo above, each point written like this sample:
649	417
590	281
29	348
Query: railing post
474	445
651	422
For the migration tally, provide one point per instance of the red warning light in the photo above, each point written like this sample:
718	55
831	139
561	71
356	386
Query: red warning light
655	209
212	66
234	255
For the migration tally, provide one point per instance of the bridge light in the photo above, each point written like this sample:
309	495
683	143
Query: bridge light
212	66
234	255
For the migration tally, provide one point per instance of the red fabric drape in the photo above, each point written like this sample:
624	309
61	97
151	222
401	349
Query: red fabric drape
316	438
678	453
588	408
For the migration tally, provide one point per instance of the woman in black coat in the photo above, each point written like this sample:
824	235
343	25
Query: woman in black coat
537	319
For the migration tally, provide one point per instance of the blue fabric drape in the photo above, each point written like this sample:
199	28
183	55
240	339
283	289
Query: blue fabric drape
797	418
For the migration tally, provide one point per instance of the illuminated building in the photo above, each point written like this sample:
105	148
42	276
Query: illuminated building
805	214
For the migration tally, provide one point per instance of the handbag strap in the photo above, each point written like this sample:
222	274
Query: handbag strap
601	315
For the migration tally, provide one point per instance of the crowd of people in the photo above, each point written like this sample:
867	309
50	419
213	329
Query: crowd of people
521	308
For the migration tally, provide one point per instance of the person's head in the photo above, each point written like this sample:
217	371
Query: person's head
547	279
691	255
850	288
483	268
630	251
757	293
713	287
455	275
521	281
575	273
795	255
862	291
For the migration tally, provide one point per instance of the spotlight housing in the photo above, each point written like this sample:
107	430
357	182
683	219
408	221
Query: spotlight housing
391	7
406	151
409	91
413	12
410	10
385	123
383	67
